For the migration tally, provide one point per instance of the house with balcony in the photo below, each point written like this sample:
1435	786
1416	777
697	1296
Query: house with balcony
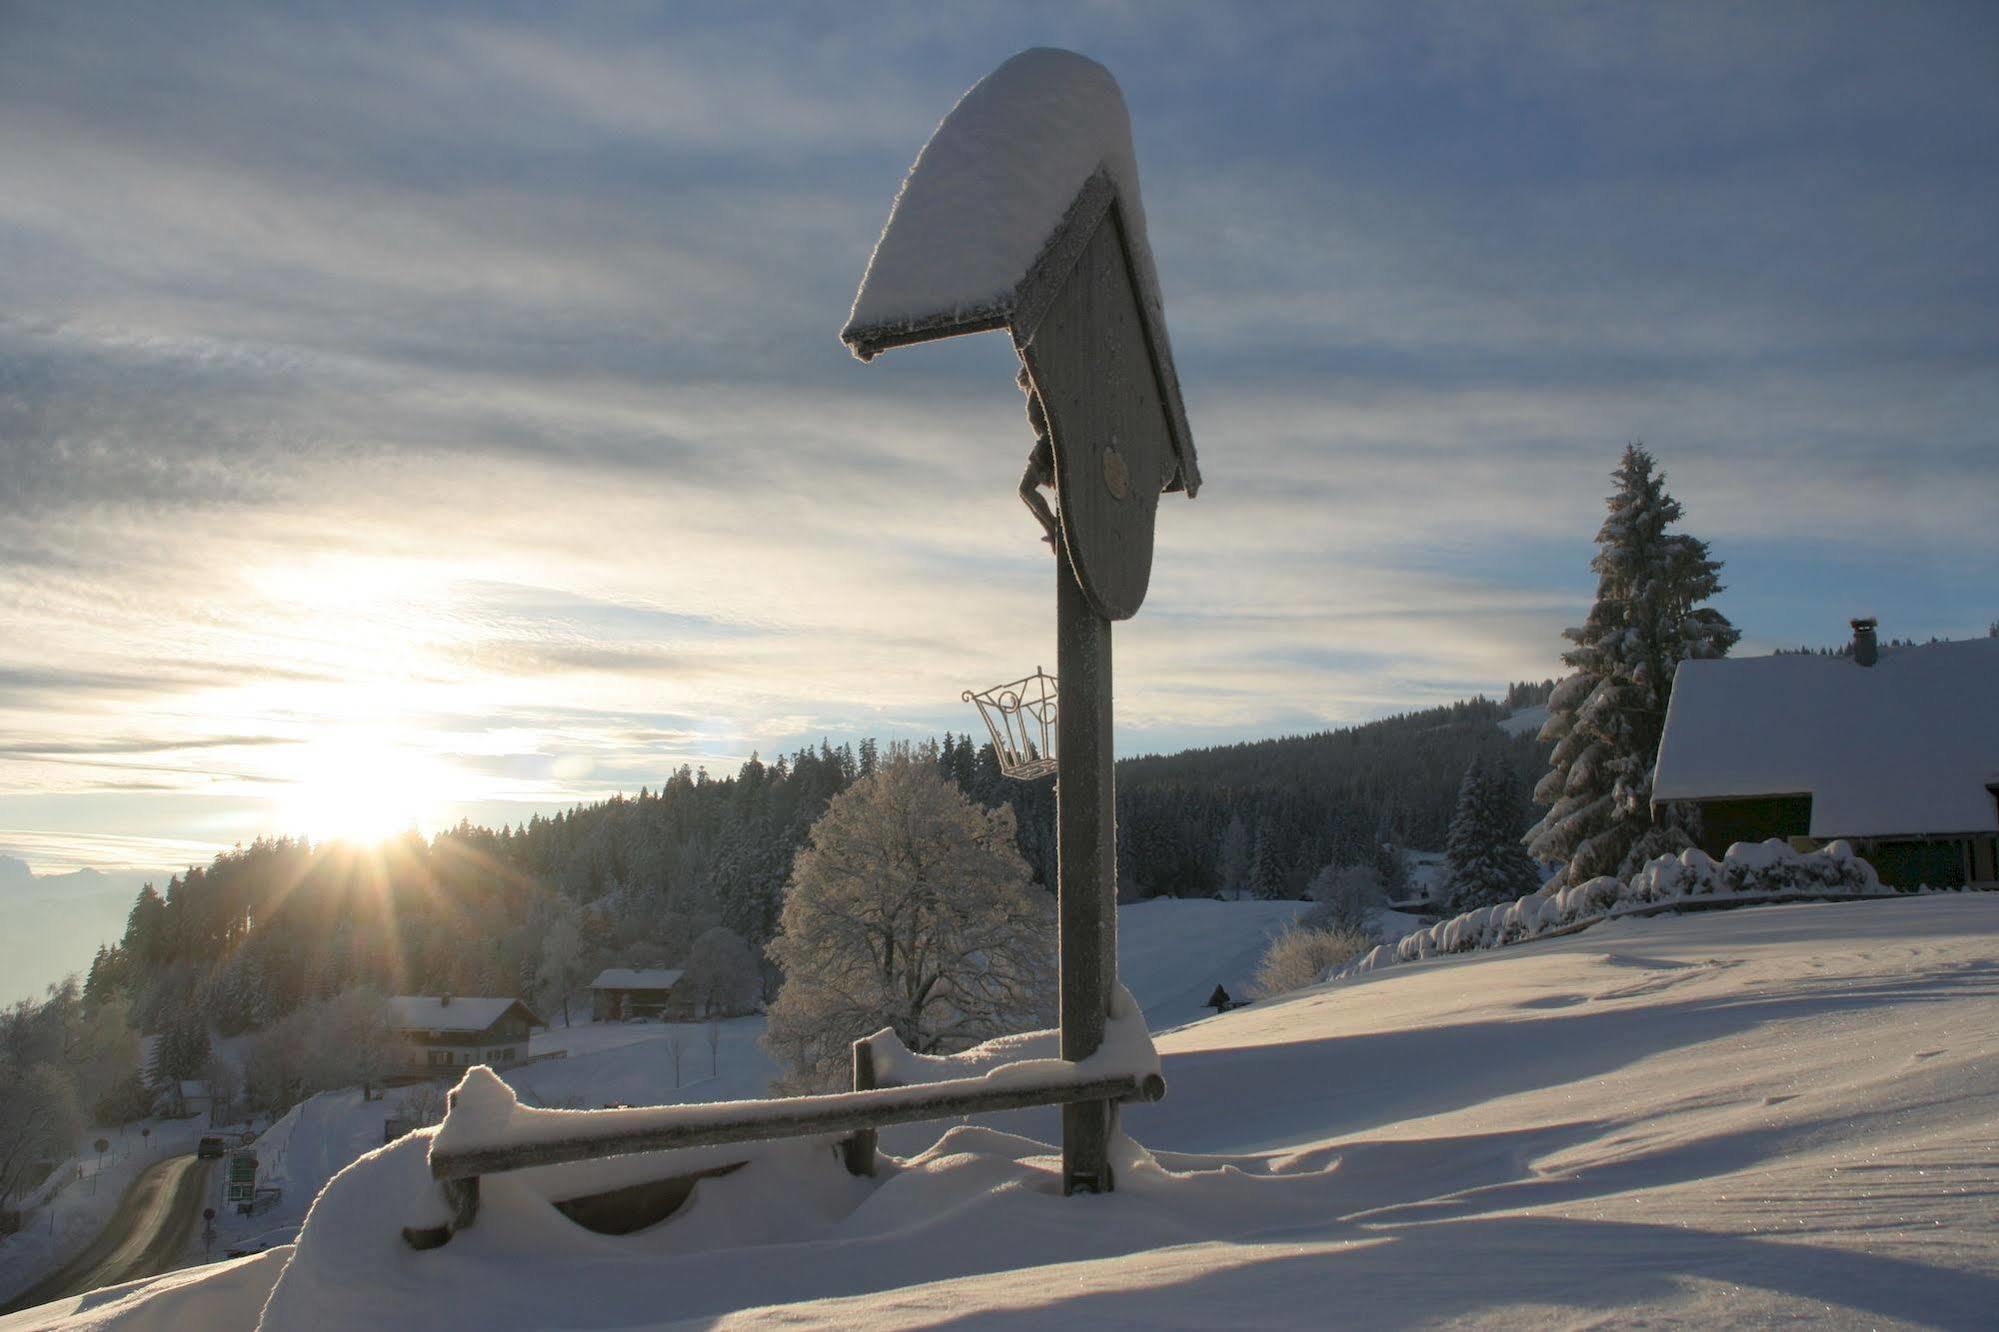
440	1034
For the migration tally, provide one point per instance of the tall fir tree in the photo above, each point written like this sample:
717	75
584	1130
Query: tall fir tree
146	927
1606	718
1487	863
1266	870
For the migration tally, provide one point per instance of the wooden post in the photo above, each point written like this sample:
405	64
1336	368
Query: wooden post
1104	400
1086	858
858	1151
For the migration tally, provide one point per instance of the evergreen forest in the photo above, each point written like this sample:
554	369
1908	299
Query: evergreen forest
267	929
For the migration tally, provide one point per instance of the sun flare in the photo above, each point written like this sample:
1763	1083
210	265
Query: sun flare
361	790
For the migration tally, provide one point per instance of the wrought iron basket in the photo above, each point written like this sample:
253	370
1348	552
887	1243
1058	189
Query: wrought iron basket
1020	717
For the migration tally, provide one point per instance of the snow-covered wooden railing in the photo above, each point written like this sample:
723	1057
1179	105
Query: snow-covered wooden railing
488	1131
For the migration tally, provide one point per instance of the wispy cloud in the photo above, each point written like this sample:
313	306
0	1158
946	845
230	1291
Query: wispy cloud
467	385
138	745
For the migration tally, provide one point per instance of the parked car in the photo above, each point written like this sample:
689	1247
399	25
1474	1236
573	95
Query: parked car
210	1148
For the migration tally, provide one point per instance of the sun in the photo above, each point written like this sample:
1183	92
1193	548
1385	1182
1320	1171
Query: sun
360	789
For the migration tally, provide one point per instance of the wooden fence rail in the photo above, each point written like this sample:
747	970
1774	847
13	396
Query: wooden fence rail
858	1114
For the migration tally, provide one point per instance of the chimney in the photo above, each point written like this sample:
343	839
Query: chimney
1864	651
444	1001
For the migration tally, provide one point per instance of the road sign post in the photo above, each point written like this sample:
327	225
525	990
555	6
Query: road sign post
241	1184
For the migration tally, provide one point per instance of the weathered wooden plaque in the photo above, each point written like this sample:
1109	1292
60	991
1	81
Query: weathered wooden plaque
1091	362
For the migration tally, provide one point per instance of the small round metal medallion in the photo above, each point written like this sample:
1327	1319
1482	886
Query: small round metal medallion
1117	477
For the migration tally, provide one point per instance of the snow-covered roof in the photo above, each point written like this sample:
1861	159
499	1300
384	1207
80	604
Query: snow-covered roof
637	978
1907	746
427	1012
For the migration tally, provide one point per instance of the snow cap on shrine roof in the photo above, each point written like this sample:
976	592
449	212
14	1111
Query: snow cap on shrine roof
989	199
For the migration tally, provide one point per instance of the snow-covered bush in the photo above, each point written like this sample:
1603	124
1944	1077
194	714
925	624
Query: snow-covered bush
1755	870
1299	956
1772	866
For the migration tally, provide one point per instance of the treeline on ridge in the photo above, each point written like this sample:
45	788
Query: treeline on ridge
266	929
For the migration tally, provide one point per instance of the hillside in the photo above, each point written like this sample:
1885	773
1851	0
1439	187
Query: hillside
1772	1115
264	929
1172	954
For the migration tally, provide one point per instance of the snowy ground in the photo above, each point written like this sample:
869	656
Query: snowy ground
1427	872
1525	721
633	1064
1173	952
1785	1114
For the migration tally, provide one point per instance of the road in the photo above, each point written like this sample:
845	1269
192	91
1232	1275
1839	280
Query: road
154	1222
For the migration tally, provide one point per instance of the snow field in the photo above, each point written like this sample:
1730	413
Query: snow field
630	1063
1172	953
1525	721
1774	1114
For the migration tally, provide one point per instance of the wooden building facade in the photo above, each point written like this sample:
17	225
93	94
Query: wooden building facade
439	1034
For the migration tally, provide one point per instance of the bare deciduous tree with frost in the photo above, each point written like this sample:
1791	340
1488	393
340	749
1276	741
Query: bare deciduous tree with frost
909	908
721	976
561	969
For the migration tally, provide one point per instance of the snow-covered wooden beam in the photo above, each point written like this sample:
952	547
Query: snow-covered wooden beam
588	1135
488	1132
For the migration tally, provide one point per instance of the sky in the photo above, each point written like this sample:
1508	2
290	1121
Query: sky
424	412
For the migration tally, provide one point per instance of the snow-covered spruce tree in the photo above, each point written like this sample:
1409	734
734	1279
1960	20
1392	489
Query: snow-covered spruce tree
1606	718
910	908
1488	865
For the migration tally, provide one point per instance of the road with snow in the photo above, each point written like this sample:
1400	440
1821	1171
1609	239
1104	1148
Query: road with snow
153	1223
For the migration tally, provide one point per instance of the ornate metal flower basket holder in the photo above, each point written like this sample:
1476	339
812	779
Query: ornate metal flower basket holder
1020	717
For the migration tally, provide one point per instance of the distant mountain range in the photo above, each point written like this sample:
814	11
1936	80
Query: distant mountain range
54	922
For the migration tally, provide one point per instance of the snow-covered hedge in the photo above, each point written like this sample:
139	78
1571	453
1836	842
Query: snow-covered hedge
1759	870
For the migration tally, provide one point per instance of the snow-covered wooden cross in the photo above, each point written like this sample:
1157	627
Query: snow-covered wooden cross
1022	213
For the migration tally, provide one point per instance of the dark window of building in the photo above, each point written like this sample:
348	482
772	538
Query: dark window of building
1753	819
1914	864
